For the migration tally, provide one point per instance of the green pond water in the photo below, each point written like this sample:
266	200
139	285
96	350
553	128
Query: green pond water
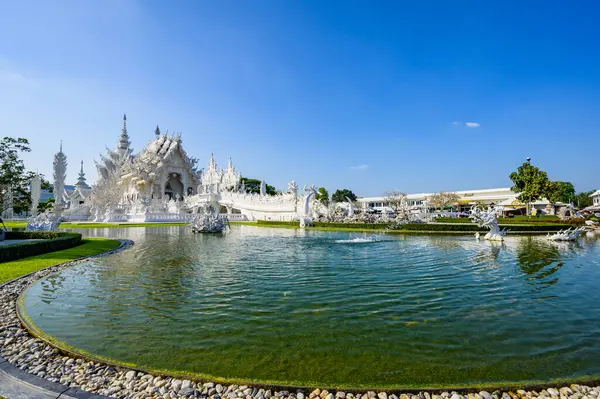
333	308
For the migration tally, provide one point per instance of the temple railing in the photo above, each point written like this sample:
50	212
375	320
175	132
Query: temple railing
235	217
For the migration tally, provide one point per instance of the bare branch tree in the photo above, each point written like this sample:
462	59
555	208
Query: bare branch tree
442	200
395	199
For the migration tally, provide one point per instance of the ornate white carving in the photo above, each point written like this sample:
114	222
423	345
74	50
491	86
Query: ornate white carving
571	234
208	220
46	221
60	175
488	218
211	177
230	179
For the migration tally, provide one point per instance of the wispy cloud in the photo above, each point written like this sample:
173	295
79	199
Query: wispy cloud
359	167
456	123
472	124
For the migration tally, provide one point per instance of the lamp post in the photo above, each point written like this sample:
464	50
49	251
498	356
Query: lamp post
528	159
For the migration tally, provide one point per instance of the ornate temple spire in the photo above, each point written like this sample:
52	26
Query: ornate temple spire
157	131
124	142
60	175
81	179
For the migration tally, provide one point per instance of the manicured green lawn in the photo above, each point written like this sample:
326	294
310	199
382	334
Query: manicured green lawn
89	247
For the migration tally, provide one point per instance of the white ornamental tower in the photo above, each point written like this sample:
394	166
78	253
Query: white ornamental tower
36	185
60	175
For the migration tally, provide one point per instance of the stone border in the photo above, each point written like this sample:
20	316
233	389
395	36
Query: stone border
41	371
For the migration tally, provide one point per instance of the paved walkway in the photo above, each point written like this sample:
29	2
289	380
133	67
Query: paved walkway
18	384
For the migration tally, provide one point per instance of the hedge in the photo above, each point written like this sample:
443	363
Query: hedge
549	221
466	227
53	241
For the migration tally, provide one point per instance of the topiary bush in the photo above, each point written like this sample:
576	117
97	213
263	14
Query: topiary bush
52	241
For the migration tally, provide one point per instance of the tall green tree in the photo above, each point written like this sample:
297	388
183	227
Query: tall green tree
12	172
253	186
583	199
559	191
530	182
341	195
322	195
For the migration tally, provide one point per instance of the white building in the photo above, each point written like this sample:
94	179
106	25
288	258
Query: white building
596	198
504	199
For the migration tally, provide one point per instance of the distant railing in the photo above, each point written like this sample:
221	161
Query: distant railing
167	217
235	217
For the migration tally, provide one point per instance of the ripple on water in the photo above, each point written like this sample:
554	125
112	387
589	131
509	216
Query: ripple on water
334	308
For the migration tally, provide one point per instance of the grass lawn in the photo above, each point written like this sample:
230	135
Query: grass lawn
19	224
89	247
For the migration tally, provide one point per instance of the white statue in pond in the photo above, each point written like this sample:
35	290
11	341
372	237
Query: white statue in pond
488	218
571	234
207	220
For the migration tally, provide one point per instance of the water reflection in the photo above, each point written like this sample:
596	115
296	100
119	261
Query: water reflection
333	307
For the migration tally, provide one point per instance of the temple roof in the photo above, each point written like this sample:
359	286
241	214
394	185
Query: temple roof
151	161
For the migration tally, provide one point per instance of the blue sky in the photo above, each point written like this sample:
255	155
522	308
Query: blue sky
370	96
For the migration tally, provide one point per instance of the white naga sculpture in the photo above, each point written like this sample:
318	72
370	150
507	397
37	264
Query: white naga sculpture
46	221
488	218
570	234
305	219
207	220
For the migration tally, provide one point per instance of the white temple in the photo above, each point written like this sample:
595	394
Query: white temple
162	183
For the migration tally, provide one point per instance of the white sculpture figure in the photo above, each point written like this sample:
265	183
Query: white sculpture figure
305	219
350	207
36	185
7	194
44	222
292	188
208	220
487	218
263	188
60	174
477	236
570	234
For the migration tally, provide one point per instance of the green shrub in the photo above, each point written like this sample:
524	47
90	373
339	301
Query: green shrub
52	241
550	220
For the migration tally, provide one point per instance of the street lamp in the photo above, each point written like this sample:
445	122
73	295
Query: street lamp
528	159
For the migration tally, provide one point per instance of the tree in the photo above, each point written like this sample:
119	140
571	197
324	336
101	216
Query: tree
583	199
395	199
253	186
530	182
343	196
12	172
442	200
559	191
322	195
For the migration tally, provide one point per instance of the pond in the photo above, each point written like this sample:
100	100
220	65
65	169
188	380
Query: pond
344	309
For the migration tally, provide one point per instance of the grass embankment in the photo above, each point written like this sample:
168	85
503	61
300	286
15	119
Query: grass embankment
89	247
414	228
70	225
